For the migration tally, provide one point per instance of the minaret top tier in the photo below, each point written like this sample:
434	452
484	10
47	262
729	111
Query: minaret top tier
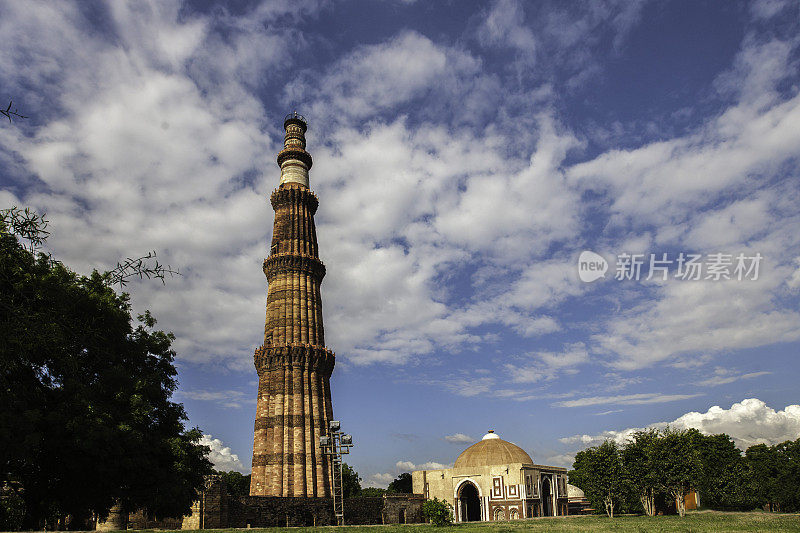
293	159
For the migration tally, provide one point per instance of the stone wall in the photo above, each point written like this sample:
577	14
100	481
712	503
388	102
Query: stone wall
363	511
274	511
216	510
403	508
117	519
140	520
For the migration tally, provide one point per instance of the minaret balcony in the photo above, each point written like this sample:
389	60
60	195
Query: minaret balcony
277	263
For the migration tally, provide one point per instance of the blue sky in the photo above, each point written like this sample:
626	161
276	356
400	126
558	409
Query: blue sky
465	154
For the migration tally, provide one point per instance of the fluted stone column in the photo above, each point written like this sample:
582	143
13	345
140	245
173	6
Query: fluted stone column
293	365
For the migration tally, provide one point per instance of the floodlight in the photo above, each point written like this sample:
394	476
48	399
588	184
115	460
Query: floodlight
347	439
334	425
324	440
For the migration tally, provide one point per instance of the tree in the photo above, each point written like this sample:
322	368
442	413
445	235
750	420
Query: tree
372	492
762	462
679	465
237	483
401	484
789	475
87	419
351	482
774	473
639	470
438	512
723	481
598	472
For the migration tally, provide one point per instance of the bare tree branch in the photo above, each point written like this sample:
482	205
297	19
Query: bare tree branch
26	224
9	113
31	227
140	267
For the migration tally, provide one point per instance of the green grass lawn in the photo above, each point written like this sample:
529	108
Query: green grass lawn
698	521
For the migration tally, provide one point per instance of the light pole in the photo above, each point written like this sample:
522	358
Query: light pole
334	445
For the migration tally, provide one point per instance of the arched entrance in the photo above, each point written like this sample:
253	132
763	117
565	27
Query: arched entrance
547	496
469	502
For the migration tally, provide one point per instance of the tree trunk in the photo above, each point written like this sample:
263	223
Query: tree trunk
680	501
648	502
609	502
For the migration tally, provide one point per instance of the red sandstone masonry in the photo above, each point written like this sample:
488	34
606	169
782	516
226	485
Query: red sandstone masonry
293	365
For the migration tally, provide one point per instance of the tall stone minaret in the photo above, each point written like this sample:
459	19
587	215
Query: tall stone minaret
293	365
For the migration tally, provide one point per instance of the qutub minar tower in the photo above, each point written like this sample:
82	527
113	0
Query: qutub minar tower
293	365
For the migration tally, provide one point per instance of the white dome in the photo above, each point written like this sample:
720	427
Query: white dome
492	450
574	492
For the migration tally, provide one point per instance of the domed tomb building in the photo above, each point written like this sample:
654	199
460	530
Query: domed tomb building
496	480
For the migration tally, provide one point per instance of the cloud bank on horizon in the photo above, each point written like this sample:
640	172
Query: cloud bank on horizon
748	423
461	171
221	456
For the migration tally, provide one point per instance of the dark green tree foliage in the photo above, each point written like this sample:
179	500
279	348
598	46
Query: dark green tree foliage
12	507
401	484
789	477
762	462
640	472
86	417
237	483
775	475
351	482
372	492
598	472
723	482
668	465
679	463
437	512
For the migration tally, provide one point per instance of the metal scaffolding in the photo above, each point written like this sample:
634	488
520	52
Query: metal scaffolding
334	445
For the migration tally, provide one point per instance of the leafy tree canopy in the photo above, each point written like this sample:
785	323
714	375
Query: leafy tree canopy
775	475
351	482
87	419
237	483
401	484
438	512
678	460
598	472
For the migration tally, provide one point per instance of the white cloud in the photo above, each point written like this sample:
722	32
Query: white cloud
136	158
376	77
626	399
156	141
565	460
748	422
467	386
221	456
548	365
723	376
769	8
794	280
503	25
225	398
408	466
380	480
664	182
696	318
459	438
